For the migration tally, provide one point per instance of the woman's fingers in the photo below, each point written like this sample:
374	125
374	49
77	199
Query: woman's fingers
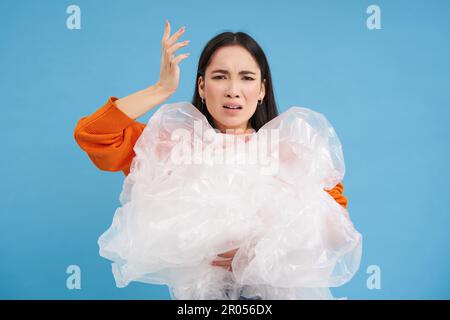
169	52
169	46
180	57
226	264
177	46
166	32
228	254
169	70
175	36
222	263
168	40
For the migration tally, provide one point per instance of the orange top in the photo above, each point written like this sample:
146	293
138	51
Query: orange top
108	137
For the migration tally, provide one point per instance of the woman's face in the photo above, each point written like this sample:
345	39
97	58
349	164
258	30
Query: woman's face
233	77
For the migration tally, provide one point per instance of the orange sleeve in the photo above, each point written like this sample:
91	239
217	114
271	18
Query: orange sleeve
336	193
108	137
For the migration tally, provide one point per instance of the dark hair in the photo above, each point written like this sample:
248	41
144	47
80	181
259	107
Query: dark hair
265	111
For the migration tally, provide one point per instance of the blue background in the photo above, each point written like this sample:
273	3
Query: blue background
386	92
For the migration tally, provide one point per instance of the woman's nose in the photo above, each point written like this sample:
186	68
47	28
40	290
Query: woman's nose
232	90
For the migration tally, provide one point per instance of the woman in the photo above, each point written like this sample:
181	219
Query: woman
233	91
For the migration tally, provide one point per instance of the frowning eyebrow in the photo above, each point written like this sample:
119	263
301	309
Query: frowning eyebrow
226	72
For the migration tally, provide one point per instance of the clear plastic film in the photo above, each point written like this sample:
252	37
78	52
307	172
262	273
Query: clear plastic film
194	192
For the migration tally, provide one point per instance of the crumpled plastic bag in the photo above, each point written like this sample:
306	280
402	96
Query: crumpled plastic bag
194	192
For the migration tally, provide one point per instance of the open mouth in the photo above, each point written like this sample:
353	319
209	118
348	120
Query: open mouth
233	107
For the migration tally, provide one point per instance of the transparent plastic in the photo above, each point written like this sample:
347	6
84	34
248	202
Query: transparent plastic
194	192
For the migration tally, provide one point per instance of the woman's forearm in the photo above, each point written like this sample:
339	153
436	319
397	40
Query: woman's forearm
140	102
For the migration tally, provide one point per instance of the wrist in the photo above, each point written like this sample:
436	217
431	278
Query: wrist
159	89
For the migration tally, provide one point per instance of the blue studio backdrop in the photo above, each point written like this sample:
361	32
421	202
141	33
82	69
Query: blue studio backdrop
385	90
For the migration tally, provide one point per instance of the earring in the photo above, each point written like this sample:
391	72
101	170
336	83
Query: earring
260	102
203	102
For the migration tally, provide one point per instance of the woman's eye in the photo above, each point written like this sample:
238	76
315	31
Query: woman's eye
246	78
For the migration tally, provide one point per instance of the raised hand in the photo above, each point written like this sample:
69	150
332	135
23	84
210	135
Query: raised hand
170	72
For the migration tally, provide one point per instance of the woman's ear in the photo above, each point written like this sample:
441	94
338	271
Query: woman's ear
263	89
201	86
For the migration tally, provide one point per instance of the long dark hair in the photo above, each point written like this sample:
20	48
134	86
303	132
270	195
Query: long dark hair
265	111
